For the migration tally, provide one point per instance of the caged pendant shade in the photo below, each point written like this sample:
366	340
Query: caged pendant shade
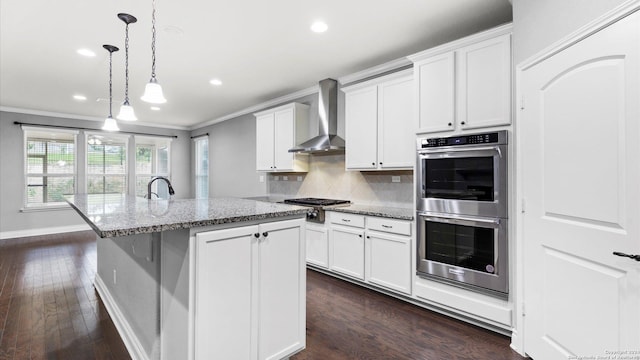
110	123
153	90
126	110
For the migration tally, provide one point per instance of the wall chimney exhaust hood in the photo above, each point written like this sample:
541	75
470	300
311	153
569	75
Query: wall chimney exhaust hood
327	139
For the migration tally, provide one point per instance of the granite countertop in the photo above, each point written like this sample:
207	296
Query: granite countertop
114	215
372	210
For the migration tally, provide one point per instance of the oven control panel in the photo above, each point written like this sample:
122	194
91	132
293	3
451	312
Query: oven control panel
475	139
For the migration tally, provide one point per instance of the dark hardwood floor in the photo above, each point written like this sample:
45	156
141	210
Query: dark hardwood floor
50	310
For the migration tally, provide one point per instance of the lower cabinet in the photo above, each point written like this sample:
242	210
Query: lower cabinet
250	292
371	249
317	246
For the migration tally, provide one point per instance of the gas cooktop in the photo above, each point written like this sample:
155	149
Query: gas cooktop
316	201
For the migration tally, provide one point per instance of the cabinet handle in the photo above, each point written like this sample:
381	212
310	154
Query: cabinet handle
360	235
368	237
387	226
256	235
449	124
462	123
265	234
346	220
374	164
380	162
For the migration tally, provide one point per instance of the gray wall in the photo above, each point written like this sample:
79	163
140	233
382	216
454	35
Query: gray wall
539	23
12	170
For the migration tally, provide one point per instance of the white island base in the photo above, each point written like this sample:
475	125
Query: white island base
230	291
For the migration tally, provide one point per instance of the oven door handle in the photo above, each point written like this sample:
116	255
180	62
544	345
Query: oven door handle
467	150
452	219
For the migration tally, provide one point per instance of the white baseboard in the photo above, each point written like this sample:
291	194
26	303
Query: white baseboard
136	351
43	231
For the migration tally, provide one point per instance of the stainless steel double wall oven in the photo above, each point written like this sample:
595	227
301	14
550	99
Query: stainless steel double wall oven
462	211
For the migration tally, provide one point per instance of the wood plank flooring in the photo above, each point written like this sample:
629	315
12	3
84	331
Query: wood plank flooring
50	310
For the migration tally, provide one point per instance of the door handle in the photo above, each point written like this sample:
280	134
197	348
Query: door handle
634	257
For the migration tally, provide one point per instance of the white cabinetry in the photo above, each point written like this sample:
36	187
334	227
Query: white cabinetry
277	131
465	84
250	292
317	245
371	249
379	126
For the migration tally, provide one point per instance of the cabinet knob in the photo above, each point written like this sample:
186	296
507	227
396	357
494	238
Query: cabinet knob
449	124
265	234
381	163
368	237
360	235
374	164
256	235
462	123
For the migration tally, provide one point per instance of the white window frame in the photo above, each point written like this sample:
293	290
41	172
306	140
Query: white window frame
148	140
45	205
124	138
197	160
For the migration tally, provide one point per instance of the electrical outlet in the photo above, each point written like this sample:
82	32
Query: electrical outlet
299	178
276	178
285	178
115	277
261	178
395	179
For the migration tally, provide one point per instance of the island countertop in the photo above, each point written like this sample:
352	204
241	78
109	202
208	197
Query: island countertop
113	215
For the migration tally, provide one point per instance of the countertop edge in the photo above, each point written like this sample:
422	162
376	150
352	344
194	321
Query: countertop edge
348	210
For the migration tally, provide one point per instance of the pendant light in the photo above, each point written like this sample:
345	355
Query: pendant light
153	90
126	110
110	123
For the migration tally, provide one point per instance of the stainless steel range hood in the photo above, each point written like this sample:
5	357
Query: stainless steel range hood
327	139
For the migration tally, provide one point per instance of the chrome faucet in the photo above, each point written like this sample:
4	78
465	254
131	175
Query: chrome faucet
171	192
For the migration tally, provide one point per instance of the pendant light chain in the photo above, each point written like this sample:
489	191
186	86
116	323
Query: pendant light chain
153	39
110	82
126	64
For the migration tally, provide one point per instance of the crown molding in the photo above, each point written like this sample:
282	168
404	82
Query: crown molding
392	65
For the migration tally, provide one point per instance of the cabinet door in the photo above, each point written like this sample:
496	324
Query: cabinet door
346	253
284	139
396	133
317	246
484	83
281	301
224	276
389	261
436	93
361	129
264	142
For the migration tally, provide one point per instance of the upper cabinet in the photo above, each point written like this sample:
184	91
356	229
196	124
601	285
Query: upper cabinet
379	126
465	84
278	130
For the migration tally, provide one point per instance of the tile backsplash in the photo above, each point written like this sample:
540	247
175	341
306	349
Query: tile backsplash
327	178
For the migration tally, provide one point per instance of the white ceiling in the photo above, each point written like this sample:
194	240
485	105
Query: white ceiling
261	50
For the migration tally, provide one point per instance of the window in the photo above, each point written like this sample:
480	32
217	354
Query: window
50	166
106	164
152	159
202	167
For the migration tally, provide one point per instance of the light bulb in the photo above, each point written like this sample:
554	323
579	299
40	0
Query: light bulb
110	124
153	93
126	112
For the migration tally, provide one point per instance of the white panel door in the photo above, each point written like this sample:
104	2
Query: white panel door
281	290
389	261
396	132
224	278
346	251
317	246
284	139
580	131
436	93
264	142
361	128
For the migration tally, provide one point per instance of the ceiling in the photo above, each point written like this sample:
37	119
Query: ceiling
260	50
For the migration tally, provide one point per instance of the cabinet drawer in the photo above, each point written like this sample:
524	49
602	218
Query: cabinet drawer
347	219
389	225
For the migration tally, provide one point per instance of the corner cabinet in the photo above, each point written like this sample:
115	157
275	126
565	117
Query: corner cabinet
278	130
465	84
250	292
379	125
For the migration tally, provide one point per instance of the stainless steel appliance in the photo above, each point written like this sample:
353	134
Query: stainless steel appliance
462	211
316	214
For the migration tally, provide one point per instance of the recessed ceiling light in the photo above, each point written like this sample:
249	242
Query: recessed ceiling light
86	52
155	108
319	27
80	97
216	82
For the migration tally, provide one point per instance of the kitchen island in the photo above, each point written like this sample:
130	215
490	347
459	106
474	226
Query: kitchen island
200	279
